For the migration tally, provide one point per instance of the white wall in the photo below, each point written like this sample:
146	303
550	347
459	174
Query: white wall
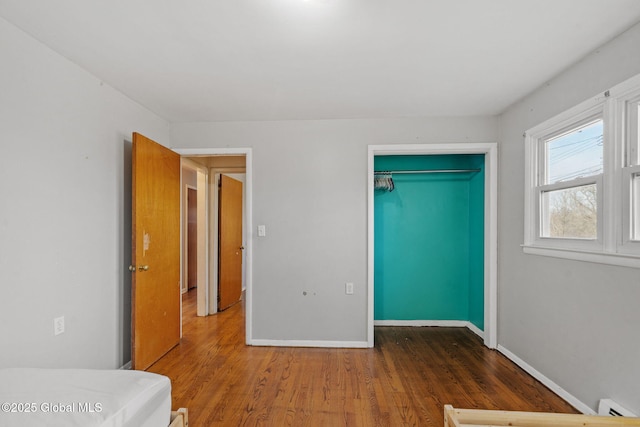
64	190
576	323
310	188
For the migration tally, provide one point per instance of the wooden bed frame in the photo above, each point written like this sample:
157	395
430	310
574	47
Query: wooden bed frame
454	417
180	418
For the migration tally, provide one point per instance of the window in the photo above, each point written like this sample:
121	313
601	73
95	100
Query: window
583	180
571	165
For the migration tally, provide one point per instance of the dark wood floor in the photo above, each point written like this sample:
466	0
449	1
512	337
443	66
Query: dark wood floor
404	381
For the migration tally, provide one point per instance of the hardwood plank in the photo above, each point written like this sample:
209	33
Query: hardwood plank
404	381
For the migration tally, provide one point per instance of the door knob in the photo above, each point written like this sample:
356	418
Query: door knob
143	268
132	268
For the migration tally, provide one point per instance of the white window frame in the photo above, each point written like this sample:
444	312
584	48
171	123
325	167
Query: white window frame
614	243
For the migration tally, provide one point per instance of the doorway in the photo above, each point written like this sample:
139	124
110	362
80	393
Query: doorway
489	150
236	163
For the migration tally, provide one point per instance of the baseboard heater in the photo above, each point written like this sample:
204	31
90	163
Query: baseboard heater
609	407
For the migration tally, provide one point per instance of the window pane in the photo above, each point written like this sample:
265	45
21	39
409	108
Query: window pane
635	207
634	133
575	154
570	213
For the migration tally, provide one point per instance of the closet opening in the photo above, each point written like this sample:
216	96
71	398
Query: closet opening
432	237
429	241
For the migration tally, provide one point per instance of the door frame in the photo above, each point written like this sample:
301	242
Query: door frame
490	150
248	205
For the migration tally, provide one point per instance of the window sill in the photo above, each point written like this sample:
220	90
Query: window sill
623	260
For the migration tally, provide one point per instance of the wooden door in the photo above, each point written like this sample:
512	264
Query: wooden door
230	241
155	299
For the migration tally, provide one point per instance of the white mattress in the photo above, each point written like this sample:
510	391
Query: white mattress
83	398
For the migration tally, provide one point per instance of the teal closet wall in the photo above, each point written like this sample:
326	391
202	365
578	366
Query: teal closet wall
429	240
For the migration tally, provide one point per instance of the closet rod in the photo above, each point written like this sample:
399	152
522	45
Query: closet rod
429	171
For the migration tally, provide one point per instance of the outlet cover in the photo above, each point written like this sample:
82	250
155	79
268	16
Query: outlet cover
348	288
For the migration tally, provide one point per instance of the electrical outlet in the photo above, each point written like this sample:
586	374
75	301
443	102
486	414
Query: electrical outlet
58	325
348	288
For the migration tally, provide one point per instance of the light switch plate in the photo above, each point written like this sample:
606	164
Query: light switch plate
58	325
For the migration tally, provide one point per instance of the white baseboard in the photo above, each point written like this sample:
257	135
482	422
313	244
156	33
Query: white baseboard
126	366
438	323
571	399
305	343
443	323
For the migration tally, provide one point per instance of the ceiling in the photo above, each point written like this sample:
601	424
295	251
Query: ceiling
240	60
